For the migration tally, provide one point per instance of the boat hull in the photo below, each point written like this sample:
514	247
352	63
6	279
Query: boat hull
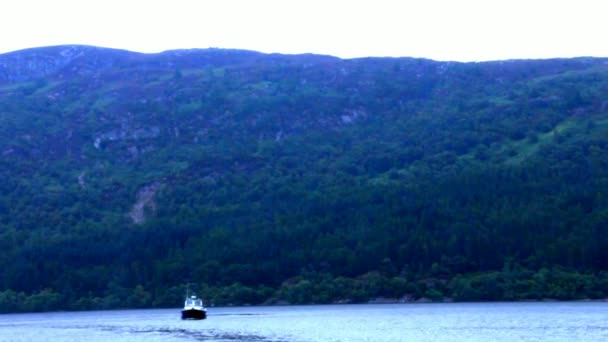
194	314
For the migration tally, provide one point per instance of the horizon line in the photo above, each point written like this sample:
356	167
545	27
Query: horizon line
300	53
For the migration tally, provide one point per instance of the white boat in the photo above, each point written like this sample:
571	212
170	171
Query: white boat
194	309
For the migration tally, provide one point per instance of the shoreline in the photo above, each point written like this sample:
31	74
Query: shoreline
286	305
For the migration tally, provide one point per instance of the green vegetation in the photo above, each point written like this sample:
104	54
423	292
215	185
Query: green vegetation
300	179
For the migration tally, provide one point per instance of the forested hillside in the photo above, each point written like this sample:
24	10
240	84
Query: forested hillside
264	178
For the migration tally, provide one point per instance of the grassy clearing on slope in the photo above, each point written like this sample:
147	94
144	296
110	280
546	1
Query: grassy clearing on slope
569	129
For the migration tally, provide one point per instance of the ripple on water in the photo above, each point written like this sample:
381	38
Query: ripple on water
496	322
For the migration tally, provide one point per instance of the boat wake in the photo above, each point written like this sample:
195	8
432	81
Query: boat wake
196	335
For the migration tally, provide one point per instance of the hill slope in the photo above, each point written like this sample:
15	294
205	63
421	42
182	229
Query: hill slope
300	178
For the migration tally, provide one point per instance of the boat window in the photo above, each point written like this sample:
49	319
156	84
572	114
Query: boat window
194	302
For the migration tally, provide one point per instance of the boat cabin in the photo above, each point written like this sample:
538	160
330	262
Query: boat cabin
193	302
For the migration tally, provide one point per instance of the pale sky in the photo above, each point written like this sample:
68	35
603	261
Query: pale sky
462	30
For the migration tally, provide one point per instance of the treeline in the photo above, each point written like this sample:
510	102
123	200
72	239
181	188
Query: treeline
516	284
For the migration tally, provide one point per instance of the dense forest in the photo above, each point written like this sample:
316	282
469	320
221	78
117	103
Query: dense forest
264	178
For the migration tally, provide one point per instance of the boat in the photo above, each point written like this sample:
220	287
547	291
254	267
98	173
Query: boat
194	309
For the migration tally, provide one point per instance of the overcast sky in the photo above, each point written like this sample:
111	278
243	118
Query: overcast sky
464	30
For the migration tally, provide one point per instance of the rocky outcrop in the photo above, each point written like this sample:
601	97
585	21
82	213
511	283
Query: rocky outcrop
35	63
145	203
126	133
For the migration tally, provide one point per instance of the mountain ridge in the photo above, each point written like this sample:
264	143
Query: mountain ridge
61	55
298	178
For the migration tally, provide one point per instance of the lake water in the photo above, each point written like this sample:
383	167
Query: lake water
580	321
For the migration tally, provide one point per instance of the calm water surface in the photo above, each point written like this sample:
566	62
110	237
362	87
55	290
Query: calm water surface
336	323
